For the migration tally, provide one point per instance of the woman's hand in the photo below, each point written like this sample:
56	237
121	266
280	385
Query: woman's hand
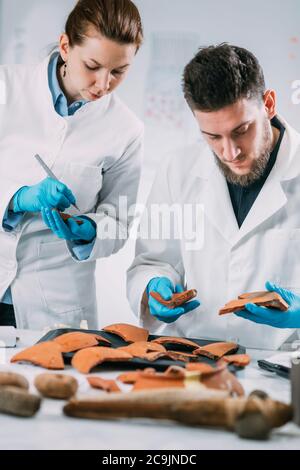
69	230
47	193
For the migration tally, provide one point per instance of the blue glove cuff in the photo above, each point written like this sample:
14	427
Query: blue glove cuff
16	207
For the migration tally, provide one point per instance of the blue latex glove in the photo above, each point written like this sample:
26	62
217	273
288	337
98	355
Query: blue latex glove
69	230
165	288
47	193
274	317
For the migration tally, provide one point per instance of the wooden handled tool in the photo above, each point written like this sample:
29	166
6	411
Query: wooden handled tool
252	417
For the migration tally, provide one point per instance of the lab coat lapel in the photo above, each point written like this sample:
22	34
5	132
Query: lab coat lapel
269	201
217	205
272	196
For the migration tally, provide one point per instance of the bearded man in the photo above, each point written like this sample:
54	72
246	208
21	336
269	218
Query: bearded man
245	174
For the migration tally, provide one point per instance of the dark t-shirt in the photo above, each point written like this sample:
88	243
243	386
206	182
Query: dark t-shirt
242	198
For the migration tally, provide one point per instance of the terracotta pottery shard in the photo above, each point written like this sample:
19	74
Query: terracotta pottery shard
250	295
216	350
76	340
132	376
173	355
103	384
177	299
85	359
174	376
47	355
129	333
240	360
220	378
199	367
65	217
151	382
263	299
173	340
141	348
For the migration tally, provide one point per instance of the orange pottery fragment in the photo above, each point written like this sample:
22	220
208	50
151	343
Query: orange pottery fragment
177	299
85	359
175	340
103	384
241	360
216	350
47	355
222	379
173	355
172	377
129	333
263	299
199	367
141	348
132	376
76	340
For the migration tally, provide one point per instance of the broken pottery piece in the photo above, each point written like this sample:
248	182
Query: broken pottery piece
199	367
47	355
240	360
103	384
128	333
85	359
177	299
173	340
140	348
131	377
222	379
263	299
216	350
77	340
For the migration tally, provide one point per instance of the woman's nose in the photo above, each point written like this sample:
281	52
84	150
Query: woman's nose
102	82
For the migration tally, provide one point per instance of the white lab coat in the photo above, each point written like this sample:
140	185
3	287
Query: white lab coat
97	153
231	260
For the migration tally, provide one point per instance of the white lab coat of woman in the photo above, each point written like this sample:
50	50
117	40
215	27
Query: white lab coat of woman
96	153
231	260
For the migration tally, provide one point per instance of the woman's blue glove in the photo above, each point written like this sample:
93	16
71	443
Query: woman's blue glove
165	288
69	230
47	193
274	317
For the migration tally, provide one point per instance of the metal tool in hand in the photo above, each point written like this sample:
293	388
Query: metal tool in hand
50	173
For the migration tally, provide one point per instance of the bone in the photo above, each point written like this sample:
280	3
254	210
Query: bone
18	402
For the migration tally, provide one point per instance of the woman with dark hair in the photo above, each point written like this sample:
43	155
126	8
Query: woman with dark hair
64	109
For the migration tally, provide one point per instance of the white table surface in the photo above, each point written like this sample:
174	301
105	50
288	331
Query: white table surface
50	429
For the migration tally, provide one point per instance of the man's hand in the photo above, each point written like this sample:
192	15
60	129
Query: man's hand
274	317
165	288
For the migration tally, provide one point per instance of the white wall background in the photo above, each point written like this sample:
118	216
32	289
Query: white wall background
269	28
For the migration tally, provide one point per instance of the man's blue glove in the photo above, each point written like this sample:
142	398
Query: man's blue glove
274	317
69	230
165	288
47	193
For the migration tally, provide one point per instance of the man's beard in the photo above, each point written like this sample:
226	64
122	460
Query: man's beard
258	166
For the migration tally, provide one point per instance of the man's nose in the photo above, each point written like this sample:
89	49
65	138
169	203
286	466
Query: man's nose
230	150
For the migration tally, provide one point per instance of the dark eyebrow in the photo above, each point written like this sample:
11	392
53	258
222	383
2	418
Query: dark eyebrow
121	66
234	130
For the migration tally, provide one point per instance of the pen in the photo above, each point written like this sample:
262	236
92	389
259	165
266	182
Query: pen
50	173
278	369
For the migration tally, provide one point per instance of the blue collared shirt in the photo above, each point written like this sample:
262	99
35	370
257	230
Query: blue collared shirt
59	99
60	103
